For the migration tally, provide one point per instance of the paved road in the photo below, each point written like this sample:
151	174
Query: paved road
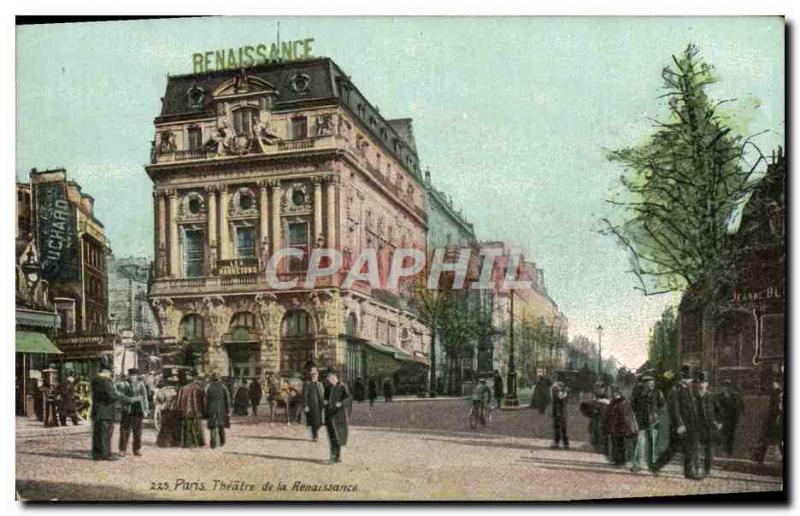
403	451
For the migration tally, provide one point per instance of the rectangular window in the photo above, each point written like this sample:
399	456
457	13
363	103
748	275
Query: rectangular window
392	337
298	239
245	242
299	128
195	138
193	253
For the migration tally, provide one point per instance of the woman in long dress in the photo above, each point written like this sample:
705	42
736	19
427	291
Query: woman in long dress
241	398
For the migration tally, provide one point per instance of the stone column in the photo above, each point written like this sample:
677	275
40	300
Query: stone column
264	214
224	240
160	230
174	244
318	230
330	236
212	248
211	204
276	215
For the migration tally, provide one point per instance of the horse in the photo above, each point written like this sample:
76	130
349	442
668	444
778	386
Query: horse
286	394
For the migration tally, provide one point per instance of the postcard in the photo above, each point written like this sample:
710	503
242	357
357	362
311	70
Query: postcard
400	259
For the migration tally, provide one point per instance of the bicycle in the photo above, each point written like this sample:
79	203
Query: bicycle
474	418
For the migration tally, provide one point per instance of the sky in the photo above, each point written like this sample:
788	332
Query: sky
512	116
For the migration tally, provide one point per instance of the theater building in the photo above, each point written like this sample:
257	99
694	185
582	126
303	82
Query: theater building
289	155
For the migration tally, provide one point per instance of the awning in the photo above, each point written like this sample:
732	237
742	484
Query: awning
35	342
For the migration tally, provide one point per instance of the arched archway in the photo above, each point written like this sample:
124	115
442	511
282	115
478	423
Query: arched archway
243	344
297	342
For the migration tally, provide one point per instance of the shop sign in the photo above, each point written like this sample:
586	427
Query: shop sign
56	232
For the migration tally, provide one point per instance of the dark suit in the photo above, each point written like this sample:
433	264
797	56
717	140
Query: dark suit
313	406
105	398
682	412
217	408
706	428
337	402
66	403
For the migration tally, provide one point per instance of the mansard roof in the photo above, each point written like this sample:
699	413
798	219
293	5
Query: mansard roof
326	83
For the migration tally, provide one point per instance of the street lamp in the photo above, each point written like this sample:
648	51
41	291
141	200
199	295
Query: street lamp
600	351
511	378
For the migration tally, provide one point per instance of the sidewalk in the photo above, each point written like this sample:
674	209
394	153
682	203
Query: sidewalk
33	428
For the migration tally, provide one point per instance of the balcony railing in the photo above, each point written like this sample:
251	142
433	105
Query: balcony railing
292	145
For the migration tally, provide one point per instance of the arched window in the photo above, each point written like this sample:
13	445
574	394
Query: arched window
352	325
243	320
192	327
296	323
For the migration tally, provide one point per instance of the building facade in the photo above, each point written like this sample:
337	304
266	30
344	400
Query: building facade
72	248
450	231
748	337
290	155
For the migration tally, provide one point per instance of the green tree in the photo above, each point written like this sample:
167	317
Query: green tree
680	187
662	348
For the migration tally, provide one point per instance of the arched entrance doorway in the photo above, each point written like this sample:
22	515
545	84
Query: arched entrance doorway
297	342
243	345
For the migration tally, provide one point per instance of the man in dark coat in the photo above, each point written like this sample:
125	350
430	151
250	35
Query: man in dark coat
388	389
336	403
772	429
730	407
541	394
497	381
683	423
66	401
707	424
217	410
646	402
133	413
559	396
256	393
191	404
619	422
313	402
372	390
359	390
104	400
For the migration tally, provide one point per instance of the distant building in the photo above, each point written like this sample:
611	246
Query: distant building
748	342
128	306
532	308
451	232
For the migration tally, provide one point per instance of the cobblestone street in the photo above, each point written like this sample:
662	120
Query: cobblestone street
409	450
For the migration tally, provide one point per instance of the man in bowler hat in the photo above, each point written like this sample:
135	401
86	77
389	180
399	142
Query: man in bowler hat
683	423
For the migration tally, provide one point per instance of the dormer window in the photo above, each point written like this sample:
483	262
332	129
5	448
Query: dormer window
195	96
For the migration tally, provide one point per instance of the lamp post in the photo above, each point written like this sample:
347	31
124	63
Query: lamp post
511	377
600	351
